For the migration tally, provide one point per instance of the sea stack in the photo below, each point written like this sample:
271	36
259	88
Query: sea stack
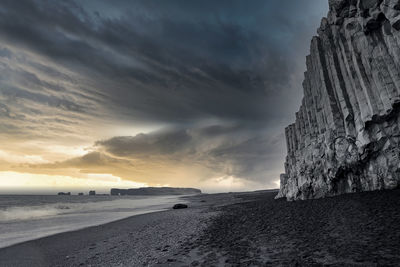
346	136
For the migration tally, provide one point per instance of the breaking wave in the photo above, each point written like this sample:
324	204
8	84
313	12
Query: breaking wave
31	212
21	213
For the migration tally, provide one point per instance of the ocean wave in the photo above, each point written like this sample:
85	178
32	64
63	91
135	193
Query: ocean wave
21	213
25	213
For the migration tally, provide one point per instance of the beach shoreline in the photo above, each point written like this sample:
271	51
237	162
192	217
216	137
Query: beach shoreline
234	229
26	218
111	244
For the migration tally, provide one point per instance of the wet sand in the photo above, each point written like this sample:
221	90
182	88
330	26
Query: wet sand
240	229
135	241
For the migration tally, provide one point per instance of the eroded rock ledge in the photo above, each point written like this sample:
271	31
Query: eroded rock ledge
346	137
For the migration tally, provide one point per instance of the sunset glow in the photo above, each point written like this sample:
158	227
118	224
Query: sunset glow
102	95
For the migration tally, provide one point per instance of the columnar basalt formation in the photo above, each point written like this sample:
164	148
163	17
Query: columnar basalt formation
346	135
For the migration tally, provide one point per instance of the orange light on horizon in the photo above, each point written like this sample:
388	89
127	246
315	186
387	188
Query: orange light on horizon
9	179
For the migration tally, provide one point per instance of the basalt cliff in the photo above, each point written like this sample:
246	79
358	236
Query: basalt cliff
346	137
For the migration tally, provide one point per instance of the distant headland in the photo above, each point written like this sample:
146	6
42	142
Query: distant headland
154	191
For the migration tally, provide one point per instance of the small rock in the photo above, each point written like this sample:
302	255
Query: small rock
180	206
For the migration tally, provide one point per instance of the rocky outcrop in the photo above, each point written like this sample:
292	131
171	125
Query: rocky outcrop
64	193
154	191
180	206
346	135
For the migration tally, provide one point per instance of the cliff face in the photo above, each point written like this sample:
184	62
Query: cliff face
346	135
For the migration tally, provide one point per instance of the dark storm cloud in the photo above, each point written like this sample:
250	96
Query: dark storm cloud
228	150
4	52
92	159
219	150
160	143
183	64
171	60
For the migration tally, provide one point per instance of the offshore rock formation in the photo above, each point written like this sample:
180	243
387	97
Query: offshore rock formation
346	136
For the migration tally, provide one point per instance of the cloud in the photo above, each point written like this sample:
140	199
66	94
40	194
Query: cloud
176	156
159	143
164	67
204	153
216	82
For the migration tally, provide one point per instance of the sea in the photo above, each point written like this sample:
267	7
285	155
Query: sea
29	217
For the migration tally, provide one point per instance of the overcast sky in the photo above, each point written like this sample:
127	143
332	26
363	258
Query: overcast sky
136	93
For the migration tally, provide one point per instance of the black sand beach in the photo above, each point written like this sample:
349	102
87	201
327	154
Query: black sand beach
240	229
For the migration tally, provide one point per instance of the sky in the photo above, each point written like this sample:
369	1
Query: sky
97	94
